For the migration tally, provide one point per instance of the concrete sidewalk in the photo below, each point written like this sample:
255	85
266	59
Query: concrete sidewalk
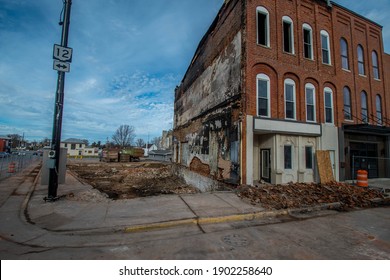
83	208
83	212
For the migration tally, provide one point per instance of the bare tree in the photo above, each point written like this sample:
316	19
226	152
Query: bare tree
124	136
140	143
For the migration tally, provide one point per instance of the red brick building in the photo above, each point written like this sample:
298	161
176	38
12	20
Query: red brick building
4	144
272	82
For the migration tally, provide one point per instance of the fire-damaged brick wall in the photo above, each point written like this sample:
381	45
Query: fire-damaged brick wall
207	102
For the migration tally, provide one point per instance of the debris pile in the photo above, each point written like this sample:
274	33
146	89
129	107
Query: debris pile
297	195
131	180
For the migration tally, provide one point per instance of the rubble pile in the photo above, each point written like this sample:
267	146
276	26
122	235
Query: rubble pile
131	180
297	195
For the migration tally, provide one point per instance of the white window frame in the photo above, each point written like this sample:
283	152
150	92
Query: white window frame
328	90
265	12
263	77
292	83
312	87
307	27
288	20
328	49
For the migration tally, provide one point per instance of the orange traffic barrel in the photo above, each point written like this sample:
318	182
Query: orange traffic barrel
362	178
11	167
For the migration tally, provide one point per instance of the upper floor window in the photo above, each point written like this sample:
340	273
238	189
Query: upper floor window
364	107
310	103
307	41
361	60
344	54
262	26
288	35
347	104
263	95
328	95
289	97
375	65
325	46
379	110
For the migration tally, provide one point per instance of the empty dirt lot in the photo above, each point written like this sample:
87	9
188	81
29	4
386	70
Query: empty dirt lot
150	178
132	179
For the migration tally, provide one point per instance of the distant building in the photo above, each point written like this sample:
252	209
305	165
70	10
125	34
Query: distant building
148	148
5	144
167	140
161	155
75	147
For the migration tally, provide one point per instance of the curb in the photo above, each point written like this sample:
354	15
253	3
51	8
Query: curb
205	220
229	218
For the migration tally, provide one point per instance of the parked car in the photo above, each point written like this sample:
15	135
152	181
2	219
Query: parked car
4	155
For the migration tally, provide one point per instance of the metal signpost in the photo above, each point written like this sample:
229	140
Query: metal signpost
62	56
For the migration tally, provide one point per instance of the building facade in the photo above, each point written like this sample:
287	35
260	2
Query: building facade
274	81
75	147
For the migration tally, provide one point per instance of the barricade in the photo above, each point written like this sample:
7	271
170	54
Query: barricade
11	167
362	178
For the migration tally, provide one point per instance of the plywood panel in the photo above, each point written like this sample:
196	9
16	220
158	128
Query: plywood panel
324	166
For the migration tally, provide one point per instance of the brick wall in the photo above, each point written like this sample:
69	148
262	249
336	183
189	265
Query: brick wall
278	65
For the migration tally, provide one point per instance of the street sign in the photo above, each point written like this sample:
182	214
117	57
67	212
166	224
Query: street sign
61	66
62	53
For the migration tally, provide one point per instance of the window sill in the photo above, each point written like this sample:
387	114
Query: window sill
378	80
346	70
289	53
264	46
363	76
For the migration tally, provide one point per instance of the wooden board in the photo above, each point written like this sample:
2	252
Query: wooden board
324	166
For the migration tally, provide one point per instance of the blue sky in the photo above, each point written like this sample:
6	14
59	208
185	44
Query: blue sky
128	56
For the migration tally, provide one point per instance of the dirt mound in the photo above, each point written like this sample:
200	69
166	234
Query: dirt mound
131	180
297	195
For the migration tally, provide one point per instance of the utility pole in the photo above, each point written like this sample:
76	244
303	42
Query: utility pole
61	53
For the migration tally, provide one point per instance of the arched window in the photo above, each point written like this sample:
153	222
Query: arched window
328	96
325	46
262	26
307	41
263	96
289	97
361	67
364	107
288	35
379	110
347	104
344	54
375	65
310	103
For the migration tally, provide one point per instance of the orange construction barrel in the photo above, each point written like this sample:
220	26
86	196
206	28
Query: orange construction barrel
362	178
11	167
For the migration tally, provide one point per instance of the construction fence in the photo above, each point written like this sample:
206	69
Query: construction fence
376	167
14	163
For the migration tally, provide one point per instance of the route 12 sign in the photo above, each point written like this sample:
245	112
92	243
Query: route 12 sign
62	54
